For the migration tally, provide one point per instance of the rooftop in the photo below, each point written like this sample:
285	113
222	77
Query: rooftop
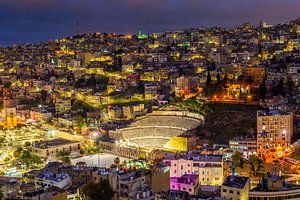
235	181
277	184
56	177
53	143
186	179
271	113
195	157
244	139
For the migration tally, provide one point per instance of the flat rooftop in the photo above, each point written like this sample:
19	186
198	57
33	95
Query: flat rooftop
243	139
186	179
195	157
56	177
53	143
271	113
235	181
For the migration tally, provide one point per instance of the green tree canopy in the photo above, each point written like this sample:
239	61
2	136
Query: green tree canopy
30	158
256	163
237	159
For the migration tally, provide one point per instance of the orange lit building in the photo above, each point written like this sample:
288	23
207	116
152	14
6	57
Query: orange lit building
274	134
9	113
10	117
257	73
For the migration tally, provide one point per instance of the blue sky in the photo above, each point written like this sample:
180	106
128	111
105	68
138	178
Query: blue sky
23	21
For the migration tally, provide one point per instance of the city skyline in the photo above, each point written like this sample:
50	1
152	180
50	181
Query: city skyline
35	21
149	100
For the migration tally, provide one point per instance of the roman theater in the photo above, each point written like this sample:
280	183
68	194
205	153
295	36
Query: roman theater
168	130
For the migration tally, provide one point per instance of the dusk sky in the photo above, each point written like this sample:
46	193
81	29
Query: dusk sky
24	21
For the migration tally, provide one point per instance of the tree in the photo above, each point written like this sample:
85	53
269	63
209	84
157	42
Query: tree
290	85
81	151
7	85
66	160
237	159
80	121
63	153
225	79
218	77
94	149
279	89
2	139
27	144
97	191
30	158
208	78
18	152
91	82
256	163
101	80
219	90
44	95
262	90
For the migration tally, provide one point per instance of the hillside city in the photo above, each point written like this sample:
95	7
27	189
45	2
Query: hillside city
200	113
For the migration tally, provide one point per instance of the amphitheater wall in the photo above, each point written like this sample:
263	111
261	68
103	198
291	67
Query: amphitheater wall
178	113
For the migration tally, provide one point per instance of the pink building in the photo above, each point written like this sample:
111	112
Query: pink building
186	183
208	168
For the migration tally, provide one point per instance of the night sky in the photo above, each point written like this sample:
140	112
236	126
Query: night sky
24	21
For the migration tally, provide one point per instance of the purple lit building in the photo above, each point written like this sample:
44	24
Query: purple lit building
186	183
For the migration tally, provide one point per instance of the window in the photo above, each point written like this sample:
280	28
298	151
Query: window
224	190
230	191
238	193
